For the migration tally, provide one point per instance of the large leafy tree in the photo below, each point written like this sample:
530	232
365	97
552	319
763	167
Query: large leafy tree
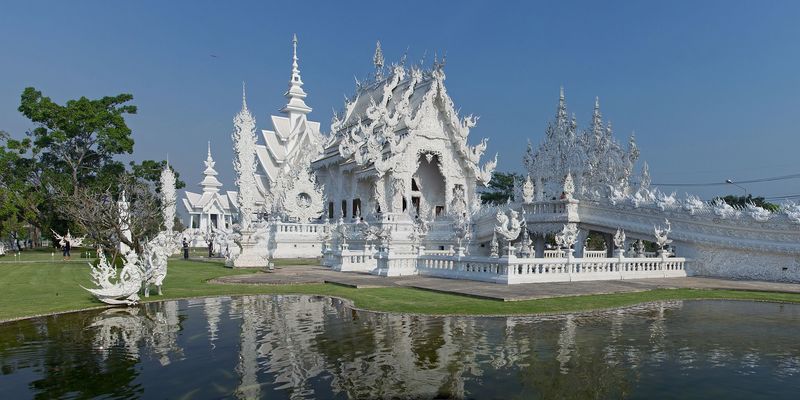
79	139
500	188
68	156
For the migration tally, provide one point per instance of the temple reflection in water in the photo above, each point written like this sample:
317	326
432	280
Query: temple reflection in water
314	347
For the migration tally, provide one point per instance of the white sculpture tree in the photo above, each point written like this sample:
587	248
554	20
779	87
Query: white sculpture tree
169	197
244	163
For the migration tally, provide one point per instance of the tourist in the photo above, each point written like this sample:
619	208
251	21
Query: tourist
65	250
185	249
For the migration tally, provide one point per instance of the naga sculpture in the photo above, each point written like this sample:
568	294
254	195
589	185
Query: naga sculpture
117	290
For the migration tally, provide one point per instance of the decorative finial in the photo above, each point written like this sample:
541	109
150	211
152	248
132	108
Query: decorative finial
295	94
597	103
209	149
244	96
378	60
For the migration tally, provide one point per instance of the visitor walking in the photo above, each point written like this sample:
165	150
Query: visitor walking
185	249
65	250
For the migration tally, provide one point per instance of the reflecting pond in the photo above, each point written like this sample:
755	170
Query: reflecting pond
315	347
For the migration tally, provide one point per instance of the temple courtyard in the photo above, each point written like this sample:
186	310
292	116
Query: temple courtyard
307	274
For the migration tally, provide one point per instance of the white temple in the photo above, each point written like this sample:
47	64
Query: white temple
211	209
394	190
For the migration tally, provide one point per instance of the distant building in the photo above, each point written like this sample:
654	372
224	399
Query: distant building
210	209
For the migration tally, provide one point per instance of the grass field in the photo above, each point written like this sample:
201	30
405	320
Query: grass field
28	289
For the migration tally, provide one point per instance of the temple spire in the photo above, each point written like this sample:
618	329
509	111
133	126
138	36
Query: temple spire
378	60
210	183
597	119
561	113
295	94
244	105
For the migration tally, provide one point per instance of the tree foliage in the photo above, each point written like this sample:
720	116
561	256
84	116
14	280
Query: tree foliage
80	138
501	188
69	157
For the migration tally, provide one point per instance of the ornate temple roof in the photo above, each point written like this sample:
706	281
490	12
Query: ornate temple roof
383	116
292	134
597	161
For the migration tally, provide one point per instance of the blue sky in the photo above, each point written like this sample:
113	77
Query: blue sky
712	88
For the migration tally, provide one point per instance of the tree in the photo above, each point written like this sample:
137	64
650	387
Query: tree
99	214
81	138
742	201
150	170
500	188
68	159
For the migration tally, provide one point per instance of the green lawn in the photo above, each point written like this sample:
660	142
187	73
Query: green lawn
41	288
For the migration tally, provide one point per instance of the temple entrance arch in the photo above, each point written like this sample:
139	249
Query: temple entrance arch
428	186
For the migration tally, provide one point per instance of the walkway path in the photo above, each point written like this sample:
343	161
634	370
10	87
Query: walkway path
528	291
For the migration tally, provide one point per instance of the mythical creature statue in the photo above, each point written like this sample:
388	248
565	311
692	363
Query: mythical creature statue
569	187
462	230
368	233
694	205
758	213
154	260
341	232
725	210
666	202
567	237
494	247
525	242
508	227
792	211
661	235
122	290
528	191
619	239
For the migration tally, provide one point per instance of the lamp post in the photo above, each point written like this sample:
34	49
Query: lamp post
737	185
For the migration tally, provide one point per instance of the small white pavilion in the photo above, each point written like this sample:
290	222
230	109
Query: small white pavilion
210	209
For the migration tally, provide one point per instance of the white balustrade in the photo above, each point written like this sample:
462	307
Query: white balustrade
531	270
555	254
594	254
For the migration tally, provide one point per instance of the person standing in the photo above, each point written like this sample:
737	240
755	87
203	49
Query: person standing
185	249
67	247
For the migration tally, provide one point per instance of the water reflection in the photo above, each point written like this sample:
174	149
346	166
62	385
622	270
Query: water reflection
311	347
153	327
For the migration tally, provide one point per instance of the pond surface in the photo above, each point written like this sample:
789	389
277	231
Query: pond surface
313	347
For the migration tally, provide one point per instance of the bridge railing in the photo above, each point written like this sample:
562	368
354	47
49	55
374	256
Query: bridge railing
594	254
530	270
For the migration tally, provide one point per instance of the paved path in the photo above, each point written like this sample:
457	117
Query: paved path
527	291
